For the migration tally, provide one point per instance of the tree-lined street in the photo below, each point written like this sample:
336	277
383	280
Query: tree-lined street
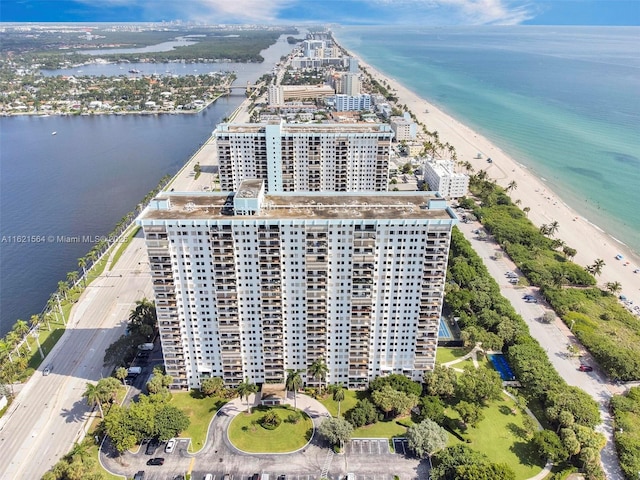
50	413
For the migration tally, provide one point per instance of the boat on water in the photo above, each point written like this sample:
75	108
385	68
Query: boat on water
54	133
134	70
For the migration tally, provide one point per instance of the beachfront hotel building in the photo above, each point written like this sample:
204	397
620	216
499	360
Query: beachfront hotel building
304	157
279	95
403	127
344	103
440	176
248	285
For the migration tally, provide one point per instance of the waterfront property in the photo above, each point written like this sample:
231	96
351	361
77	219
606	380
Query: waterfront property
248	285
441	176
298	157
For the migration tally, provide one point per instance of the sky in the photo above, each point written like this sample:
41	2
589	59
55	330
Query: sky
346	12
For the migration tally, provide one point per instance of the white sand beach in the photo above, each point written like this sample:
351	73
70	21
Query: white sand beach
546	207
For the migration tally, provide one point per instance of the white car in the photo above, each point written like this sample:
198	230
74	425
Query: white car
47	370
171	445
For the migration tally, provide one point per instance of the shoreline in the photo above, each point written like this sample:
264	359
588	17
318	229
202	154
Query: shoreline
117	113
591	241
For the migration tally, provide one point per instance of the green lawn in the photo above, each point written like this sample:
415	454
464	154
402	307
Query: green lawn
200	410
500	436
449	354
386	429
350	399
253	438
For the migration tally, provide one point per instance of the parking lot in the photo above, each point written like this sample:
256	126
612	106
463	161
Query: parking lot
368	446
197	475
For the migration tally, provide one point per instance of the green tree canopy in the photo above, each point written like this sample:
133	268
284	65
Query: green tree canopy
479	385
398	382
549	446
212	387
426	438
336	430
441	381
363	413
393	402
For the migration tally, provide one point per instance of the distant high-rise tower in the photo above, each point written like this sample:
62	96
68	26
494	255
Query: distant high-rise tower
300	157
350	84
353	65
248	285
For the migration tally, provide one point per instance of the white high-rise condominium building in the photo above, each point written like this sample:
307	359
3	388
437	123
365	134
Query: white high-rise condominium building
251	284
441	176
346	102
301	157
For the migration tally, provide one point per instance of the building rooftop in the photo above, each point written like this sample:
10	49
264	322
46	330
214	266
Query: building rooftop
305	128
308	206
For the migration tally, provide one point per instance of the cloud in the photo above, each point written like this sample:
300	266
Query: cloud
221	11
488	11
412	12
464	12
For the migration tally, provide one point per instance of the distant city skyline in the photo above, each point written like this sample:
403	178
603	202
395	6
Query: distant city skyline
347	12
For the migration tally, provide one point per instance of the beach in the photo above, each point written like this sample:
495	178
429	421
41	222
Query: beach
588	239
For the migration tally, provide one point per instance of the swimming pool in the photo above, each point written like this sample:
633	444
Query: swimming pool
444	331
502	367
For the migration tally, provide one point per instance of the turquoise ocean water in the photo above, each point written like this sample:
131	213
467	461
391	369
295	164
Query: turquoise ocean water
563	101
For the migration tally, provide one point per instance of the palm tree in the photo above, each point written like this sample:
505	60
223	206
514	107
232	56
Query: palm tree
93	394
82	263
72	278
518	202
80	451
63	288
245	389
92	256
526	211
143	318
338	395
121	373
293	383
21	328
318	370
512	186
613	287
553	227
35	321
596	268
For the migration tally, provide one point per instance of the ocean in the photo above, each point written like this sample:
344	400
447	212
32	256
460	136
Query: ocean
563	101
83	180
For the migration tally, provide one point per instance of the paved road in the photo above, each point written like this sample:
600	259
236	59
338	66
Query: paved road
555	338
50	414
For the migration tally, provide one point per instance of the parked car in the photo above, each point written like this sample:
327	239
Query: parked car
152	446
171	444
531	300
156	461
513	281
47	370
139	475
585	368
